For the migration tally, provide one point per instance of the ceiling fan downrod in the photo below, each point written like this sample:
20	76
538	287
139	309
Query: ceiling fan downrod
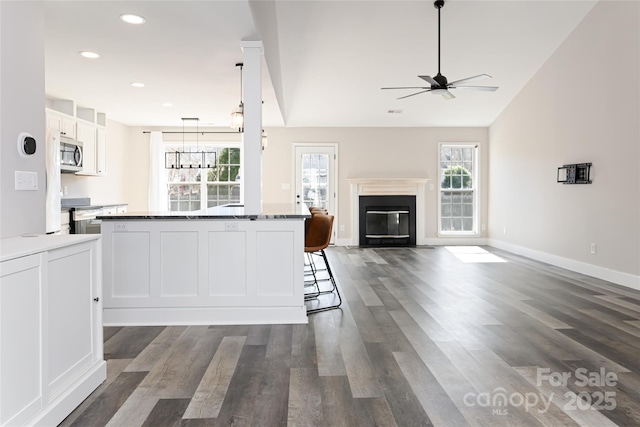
438	4
442	80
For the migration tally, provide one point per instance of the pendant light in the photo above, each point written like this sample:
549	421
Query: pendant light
198	159
237	116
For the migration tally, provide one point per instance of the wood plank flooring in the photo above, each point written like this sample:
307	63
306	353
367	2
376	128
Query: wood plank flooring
422	339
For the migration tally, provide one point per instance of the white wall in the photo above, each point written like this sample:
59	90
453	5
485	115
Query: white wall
370	153
22	110
582	106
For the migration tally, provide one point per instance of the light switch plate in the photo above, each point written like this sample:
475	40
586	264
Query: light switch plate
26	181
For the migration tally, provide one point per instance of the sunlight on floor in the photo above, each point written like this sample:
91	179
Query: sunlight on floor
473	254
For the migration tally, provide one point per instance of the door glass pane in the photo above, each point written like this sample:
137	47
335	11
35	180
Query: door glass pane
315	173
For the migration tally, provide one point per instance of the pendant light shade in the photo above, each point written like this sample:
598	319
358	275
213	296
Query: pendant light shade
237	116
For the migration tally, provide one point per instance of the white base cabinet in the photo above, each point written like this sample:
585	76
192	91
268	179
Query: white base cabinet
206	272
51	355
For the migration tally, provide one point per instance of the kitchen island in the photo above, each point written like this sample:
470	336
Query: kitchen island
213	266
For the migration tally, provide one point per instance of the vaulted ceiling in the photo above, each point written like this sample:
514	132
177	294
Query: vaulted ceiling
324	61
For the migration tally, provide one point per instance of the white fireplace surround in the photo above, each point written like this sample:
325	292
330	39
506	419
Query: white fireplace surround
388	187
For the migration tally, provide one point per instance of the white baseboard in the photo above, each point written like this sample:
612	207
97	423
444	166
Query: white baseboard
613	276
165	316
432	241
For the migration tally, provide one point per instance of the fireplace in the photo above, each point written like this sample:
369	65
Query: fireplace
387	220
412	187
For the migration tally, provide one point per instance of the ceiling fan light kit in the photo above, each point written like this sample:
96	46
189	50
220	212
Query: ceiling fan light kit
439	85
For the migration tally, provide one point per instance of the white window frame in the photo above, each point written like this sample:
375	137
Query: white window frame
202	145
476	189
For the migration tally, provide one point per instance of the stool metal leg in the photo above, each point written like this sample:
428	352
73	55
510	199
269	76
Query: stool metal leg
334	288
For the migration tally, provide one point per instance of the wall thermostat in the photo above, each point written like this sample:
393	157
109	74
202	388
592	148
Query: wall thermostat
26	144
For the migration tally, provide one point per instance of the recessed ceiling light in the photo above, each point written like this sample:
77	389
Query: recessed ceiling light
132	19
90	55
135	84
167	104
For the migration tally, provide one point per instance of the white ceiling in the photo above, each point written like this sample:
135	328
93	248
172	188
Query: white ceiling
324	61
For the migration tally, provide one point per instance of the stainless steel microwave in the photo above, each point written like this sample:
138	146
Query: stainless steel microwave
70	155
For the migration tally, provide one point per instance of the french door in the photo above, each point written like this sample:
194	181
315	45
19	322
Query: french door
315	178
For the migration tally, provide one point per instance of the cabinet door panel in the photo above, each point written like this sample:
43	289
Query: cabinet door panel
69	319
87	134
20	347
64	124
101	152
69	127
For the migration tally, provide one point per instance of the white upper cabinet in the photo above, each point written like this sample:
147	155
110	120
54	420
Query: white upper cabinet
83	124
101	151
66	125
87	134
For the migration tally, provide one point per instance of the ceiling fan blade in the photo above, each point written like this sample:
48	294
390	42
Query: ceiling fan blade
405	87
414	94
471	79
429	80
485	88
447	95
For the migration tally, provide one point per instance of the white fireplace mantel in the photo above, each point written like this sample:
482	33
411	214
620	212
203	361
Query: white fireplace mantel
388	187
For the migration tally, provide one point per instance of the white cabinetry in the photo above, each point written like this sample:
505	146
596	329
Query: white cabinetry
66	125
87	134
65	218
101	151
84	124
20	343
210	271
51	354
114	209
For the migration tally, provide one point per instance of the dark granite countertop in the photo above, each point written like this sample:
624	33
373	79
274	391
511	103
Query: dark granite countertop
100	206
269	211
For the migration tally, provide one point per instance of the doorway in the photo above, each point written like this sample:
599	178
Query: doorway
315	177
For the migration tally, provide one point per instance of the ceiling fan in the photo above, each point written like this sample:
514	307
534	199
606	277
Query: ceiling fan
439	83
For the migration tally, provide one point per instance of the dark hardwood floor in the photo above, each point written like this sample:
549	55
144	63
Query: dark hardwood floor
421	339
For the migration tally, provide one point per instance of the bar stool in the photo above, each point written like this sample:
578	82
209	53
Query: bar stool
314	211
317	239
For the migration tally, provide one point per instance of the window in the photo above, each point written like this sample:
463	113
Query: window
458	189
193	189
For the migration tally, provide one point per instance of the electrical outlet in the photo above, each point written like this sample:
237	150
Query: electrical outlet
231	226
483	227
593	248
341	227
504	230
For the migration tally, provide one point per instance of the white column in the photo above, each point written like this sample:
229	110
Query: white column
252	137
